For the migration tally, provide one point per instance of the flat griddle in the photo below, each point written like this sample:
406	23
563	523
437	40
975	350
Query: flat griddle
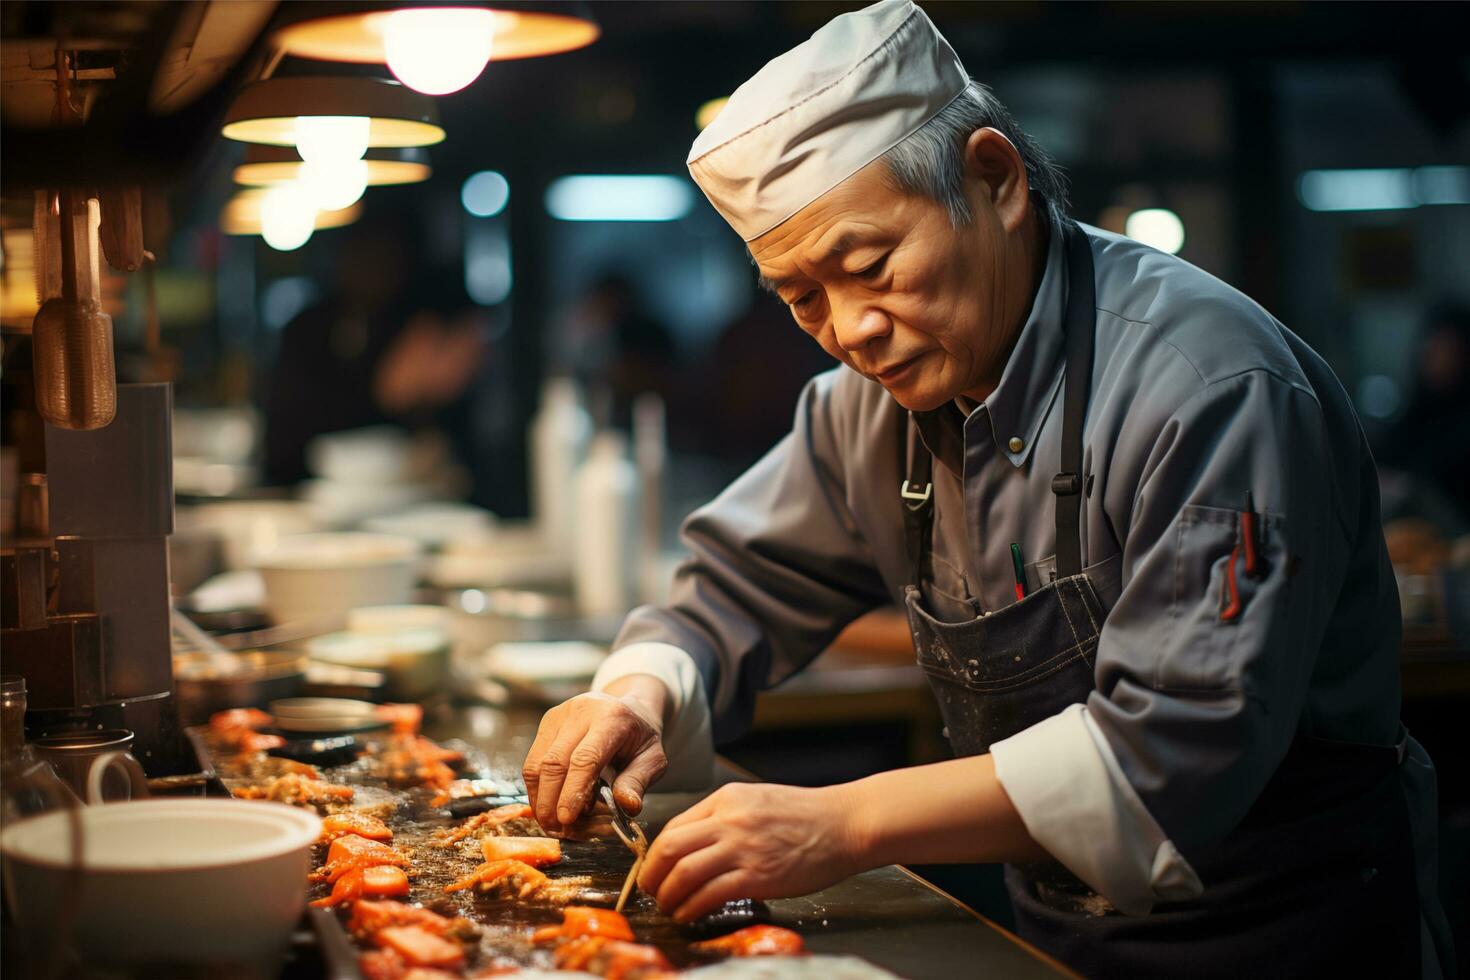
506	924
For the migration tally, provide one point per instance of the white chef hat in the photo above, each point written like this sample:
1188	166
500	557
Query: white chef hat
822	111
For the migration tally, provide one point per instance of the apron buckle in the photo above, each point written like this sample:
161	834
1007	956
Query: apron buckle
916	498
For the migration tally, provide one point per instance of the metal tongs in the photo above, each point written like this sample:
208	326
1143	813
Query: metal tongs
631	834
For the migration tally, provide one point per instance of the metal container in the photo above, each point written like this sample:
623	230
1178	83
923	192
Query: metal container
261	677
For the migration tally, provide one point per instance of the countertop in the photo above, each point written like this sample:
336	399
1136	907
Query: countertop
887	916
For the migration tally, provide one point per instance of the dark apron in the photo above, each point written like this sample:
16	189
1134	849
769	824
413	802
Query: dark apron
1320	874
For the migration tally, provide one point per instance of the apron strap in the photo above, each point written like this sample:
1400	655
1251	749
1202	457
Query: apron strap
916	493
1080	326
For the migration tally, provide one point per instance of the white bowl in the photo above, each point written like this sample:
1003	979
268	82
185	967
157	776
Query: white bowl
414	659
185	882
378	454
248	529
391	619
322	577
436	525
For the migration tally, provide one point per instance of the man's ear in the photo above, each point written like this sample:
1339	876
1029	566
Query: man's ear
998	175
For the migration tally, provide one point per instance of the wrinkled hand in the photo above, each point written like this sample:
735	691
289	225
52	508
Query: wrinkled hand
752	841
580	737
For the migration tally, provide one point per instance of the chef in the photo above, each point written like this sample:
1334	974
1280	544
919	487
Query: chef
1132	519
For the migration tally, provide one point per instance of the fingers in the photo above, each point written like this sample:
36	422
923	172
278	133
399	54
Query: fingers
693	871
585	764
726	887
633	781
531	768
575	743
552	771
673	844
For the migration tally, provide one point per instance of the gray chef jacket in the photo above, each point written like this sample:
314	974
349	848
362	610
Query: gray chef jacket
1198	395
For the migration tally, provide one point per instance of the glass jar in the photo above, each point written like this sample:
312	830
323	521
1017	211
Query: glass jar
13	719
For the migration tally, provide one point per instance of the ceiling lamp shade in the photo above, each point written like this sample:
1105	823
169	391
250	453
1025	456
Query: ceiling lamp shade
434	47
266	165
341	114
244	214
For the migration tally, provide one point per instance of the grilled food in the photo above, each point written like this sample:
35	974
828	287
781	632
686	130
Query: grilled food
754	941
612	958
412	760
514	820
510	878
374	881
352	852
368	917
353	822
298	789
580	920
538	852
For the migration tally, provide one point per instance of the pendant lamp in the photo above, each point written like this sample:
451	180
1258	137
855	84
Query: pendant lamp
285	224
434	47
267	165
332	117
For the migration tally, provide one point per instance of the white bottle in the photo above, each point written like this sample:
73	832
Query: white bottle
649	457
559	434
607	524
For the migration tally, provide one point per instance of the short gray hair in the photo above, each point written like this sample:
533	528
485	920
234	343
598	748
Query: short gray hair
930	161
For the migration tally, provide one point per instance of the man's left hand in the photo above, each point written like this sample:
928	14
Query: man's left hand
752	841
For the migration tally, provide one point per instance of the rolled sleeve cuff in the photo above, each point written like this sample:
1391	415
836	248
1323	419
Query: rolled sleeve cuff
1067	785
687	737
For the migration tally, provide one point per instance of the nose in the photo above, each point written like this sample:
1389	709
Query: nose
858	327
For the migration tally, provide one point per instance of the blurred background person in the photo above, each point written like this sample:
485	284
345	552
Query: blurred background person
618	350
387	345
1430	441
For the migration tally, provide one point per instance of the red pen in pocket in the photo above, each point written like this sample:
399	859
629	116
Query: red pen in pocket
1231	604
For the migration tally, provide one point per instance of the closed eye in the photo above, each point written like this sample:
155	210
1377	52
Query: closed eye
805	300
871	271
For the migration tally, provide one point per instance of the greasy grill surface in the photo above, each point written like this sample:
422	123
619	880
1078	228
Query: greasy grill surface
506	924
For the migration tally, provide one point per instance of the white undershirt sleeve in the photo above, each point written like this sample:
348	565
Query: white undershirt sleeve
1066	783
687	737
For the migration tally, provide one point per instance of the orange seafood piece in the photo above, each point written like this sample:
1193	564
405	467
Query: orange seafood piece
385	964
353	822
246	740
412	760
538	852
463	789
380	881
369	916
382	964
514	879
754	941
222	721
298	789
352	852
581	920
489	821
420	947
612	958
405	718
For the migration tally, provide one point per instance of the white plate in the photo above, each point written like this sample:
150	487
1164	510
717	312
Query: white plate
541	663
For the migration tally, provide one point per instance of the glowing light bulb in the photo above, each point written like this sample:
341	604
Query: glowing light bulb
1158	227
438	50
287	216
332	139
334	186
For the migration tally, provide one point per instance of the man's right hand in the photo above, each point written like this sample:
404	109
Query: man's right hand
619	727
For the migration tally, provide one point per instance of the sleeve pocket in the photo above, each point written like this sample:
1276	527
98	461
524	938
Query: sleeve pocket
1206	539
